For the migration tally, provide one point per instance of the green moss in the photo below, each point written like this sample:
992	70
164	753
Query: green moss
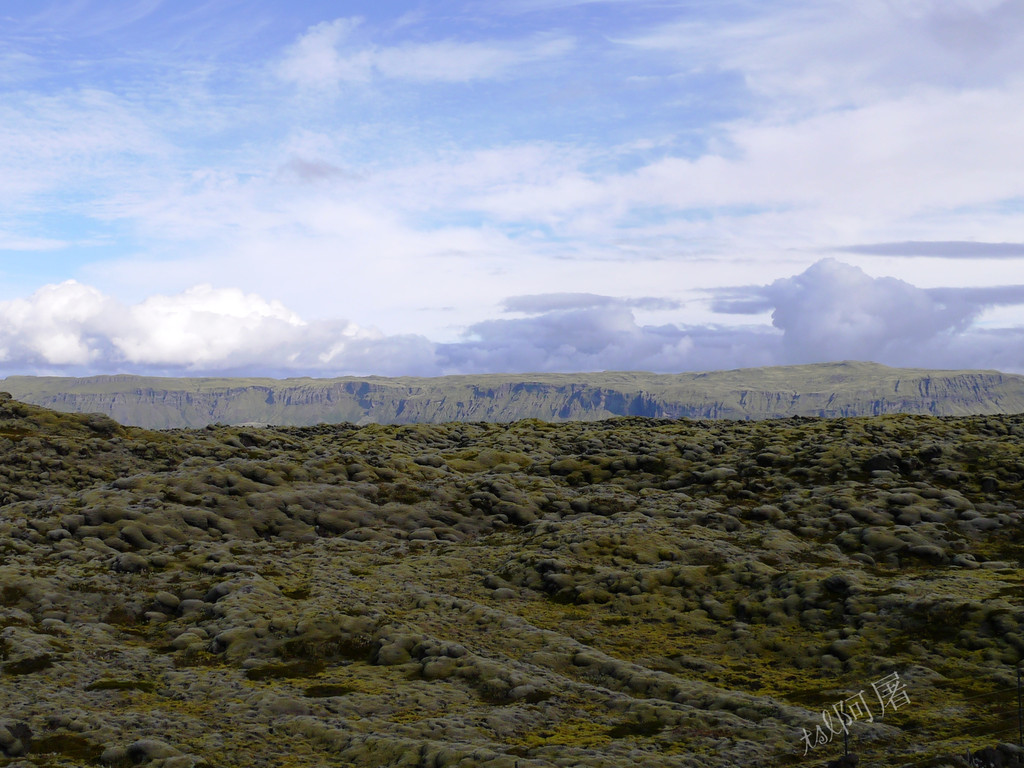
346	648
121	685
575	733
11	596
69	745
121	617
198	659
288	671
29	666
636	729
327	691
669	594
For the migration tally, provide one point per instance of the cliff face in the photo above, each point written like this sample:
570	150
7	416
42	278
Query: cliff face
831	389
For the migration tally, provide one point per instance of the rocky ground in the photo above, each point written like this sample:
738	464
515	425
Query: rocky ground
630	592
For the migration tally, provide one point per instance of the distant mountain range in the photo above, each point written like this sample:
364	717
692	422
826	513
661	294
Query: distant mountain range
826	389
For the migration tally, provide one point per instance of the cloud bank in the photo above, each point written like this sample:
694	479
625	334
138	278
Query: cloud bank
957	249
537	184
831	311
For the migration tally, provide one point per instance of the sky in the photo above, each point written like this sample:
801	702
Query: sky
255	187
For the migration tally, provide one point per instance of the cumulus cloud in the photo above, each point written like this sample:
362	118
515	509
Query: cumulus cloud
74	328
836	311
834	307
831	311
59	325
204	326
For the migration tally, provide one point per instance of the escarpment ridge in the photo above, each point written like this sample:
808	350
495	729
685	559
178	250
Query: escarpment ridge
826	389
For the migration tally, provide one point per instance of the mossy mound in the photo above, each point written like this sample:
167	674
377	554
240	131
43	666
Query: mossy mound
624	592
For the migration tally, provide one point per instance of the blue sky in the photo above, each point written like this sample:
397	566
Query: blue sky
322	188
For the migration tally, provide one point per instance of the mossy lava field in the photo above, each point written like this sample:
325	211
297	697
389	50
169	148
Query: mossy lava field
630	592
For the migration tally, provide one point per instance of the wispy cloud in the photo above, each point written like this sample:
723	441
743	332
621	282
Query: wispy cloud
837	54
328	55
522	6
72	142
885	162
956	249
11	242
91	18
554	302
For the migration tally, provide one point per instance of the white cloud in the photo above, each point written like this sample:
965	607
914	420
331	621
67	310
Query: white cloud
548	302
835	311
327	55
13	242
526	6
80	145
940	249
451	61
807	53
315	59
413	206
204	326
478	225
55	326
76	327
881	163
587	339
831	311
17	66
